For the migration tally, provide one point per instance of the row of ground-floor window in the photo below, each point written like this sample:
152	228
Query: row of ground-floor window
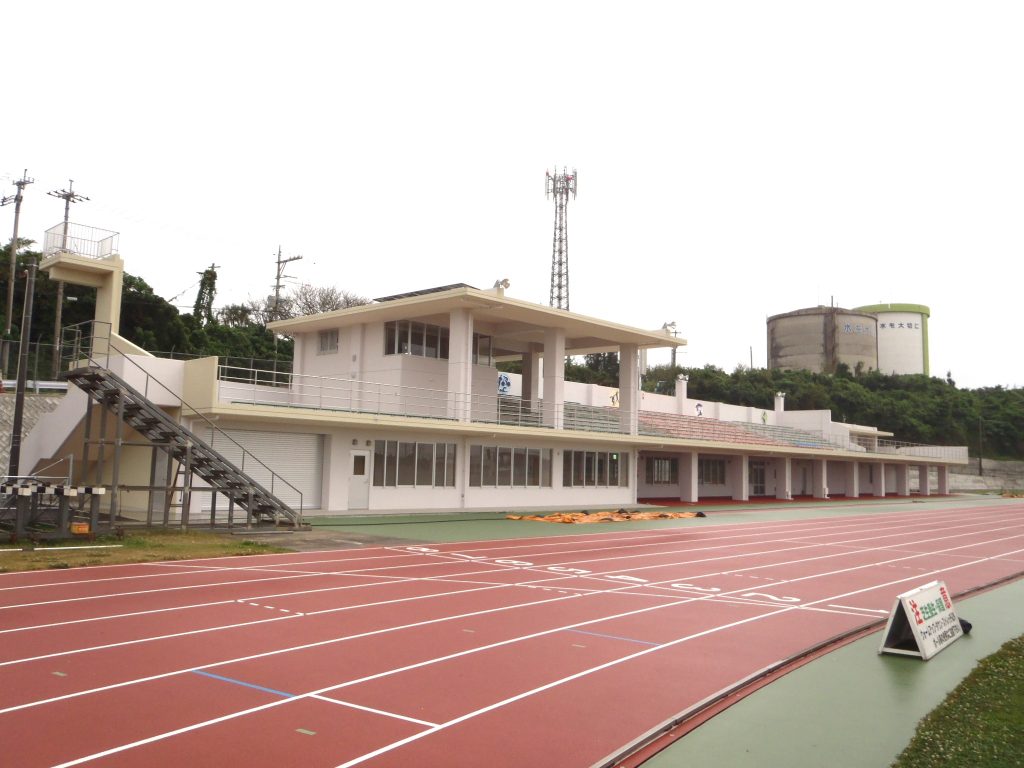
691	477
350	470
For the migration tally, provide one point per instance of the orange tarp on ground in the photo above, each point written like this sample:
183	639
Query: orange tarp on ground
608	516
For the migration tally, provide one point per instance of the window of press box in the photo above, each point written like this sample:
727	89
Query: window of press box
607	469
711	471
402	463
493	466
328	342
407	337
661	470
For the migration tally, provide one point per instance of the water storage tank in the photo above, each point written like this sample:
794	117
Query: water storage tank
821	338
902	337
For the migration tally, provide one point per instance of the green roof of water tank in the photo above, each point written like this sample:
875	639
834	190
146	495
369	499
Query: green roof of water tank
919	309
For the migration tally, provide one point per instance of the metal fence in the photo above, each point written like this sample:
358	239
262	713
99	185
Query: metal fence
276	388
41	374
81	240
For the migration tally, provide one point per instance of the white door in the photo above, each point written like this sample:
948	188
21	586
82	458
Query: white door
757	478
359	480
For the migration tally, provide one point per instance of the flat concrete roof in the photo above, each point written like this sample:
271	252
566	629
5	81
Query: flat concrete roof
514	324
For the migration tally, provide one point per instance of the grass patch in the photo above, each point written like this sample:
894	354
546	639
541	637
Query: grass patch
136	547
981	723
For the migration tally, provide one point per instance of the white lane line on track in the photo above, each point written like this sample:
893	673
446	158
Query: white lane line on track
458	616
215	628
379	576
583	673
475	713
204	630
700	546
440	579
133	614
857	608
831	529
603	619
872	512
703	545
193	569
875	517
601	576
214	585
374	711
798	547
306	646
707	536
267	607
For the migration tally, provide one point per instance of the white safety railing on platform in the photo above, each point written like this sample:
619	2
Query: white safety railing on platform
256	387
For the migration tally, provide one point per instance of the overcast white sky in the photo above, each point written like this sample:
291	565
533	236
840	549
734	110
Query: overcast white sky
736	159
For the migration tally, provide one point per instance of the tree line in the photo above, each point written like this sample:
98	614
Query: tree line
921	409
915	408
236	332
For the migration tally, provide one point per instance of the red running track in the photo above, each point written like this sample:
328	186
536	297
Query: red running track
558	651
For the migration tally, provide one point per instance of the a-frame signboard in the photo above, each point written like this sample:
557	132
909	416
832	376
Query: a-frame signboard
923	621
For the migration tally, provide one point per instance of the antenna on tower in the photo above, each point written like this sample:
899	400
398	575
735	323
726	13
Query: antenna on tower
275	312
560	186
69	196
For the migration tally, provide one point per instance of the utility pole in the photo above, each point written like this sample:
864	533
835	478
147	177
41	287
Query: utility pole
19	399
670	328
16	198
69	196
277	282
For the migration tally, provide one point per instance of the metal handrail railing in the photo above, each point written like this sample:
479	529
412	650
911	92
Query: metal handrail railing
79	351
260	387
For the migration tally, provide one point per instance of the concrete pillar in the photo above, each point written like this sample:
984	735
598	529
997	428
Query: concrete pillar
554	377
820	479
853	479
299	355
780	402
923	482
879	484
104	274
943	480
688	477
682	381
784	478
460	364
629	388
902	479
531	378
739	467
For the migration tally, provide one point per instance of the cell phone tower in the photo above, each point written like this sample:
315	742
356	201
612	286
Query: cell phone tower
560	186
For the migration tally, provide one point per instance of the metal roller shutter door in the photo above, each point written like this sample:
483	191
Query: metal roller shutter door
297	457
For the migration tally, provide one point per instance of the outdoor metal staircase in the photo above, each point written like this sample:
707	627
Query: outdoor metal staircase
189	450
